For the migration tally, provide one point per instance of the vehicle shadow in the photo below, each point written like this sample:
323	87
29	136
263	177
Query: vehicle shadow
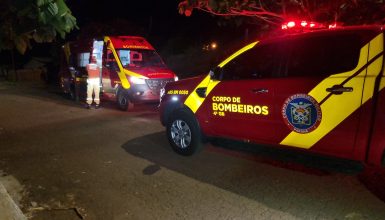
297	189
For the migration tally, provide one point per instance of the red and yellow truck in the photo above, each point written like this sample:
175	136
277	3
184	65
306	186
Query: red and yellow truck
131	69
321	91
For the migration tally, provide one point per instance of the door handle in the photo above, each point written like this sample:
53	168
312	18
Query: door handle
261	90
339	89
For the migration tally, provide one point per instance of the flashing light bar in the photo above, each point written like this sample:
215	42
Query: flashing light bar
332	25
304	25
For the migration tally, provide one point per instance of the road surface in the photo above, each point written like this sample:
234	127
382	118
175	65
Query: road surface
59	160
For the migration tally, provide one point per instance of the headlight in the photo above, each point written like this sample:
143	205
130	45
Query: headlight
176	78
137	80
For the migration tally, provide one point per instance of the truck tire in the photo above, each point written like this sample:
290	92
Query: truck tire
72	93
183	133
124	101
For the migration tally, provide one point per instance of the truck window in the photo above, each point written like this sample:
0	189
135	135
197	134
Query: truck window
256	63
314	56
124	56
83	59
137	58
322	55
111	62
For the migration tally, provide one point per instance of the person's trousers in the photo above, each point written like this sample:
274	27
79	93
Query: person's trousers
93	87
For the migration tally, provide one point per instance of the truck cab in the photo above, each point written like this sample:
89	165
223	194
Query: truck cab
131	71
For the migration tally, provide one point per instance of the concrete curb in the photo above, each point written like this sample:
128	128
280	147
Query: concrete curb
8	208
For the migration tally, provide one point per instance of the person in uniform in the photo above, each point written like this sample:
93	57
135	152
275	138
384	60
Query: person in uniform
93	83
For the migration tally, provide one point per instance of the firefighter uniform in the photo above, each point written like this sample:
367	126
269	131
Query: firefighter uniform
93	83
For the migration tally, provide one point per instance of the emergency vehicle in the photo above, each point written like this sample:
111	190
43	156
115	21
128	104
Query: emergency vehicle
131	69
320	91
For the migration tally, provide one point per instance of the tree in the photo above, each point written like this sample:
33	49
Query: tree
274	12
23	21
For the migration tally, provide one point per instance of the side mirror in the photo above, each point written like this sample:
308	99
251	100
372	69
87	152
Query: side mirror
215	73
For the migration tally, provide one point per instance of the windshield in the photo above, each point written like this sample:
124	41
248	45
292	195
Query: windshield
136	58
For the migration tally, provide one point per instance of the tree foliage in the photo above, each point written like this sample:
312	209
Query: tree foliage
22	21
274	12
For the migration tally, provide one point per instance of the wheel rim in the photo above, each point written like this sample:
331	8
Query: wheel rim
181	133
123	100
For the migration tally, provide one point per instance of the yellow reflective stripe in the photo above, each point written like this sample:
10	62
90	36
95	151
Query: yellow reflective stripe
193	101
121	73
319	92
370	80
382	84
376	48
331	114
247	47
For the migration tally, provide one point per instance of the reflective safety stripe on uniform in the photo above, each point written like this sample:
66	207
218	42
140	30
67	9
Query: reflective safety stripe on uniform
194	101
363	76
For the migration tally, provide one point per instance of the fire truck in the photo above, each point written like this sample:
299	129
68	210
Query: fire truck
131	69
319	91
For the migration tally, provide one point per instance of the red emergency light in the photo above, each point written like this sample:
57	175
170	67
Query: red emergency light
302	25
334	25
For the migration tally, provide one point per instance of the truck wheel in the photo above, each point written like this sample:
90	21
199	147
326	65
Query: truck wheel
183	133
123	101
72	93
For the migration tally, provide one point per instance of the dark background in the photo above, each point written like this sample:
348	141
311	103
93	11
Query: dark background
178	39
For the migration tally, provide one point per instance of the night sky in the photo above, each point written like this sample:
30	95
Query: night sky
173	35
159	19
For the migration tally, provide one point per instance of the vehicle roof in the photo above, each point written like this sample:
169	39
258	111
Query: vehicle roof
376	29
130	42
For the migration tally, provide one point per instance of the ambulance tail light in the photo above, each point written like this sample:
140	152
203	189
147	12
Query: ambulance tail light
137	80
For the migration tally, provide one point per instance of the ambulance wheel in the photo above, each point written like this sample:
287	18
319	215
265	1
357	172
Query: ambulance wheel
72	93
183	133
123	101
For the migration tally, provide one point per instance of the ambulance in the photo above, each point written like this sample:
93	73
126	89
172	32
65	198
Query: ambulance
320	90
131	71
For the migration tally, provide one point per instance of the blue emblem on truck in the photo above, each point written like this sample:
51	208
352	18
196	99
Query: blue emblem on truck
301	113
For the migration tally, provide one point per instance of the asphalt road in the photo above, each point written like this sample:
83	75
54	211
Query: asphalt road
63	161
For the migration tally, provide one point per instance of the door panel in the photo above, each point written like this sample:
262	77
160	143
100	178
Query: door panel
310	86
241	109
